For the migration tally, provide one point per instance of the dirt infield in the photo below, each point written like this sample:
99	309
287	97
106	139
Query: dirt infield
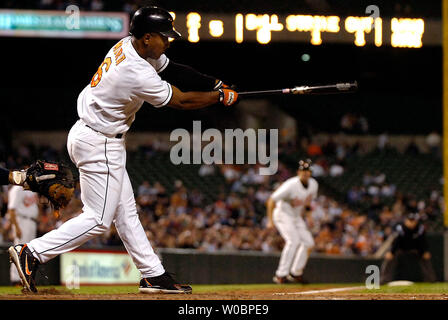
261	294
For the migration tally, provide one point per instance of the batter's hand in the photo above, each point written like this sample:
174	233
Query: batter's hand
227	96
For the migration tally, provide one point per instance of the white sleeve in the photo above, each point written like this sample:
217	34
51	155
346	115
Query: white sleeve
159	64
154	90
282	192
14	198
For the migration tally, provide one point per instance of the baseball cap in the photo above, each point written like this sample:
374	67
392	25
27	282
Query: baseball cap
305	165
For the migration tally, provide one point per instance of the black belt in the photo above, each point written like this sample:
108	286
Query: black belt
118	136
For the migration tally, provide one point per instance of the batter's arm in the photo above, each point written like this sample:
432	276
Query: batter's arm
196	99
187	78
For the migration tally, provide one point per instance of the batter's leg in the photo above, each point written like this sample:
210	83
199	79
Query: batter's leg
303	253
101	164
133	235
289	234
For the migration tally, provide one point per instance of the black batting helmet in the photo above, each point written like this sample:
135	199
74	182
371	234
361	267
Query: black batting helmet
305	165
152	19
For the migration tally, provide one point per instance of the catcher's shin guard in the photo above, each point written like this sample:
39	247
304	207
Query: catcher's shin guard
26	265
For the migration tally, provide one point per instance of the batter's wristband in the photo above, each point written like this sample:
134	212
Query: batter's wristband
218	85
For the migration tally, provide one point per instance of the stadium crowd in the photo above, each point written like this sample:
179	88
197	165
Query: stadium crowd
236	219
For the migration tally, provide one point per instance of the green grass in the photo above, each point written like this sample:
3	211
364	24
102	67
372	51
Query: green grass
435	288
196	288
416	288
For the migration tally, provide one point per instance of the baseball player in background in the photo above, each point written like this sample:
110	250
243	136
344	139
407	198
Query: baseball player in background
129	75
23	211
285	208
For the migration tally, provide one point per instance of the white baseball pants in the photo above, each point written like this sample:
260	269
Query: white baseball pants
107	197
298	241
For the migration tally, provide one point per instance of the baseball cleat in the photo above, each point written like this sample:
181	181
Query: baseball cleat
26	265
280	280
163	284
296	279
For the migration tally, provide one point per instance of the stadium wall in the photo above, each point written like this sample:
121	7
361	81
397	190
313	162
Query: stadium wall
239	267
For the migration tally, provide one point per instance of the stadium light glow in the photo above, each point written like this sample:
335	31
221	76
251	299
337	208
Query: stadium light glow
314	24
264	25
359	26
193	25
407	33
216	28
239	28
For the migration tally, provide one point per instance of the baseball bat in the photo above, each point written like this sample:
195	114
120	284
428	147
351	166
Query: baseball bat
324	89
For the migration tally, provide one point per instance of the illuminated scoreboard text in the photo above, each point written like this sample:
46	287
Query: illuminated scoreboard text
315	29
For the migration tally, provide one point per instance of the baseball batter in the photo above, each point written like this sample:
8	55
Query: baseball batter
284	211
127	77
23	211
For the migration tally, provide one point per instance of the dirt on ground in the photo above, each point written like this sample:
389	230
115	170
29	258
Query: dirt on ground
260	294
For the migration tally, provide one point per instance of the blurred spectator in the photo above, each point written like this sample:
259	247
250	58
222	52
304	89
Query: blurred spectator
383	140
314	149
433	141
206	170
319	168
96	5
336	170
412	148
354	124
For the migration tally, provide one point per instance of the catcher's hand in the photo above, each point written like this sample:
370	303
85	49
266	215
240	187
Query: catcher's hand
52	180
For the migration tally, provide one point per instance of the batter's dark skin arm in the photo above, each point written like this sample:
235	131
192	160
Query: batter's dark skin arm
192	100
188	79
153	45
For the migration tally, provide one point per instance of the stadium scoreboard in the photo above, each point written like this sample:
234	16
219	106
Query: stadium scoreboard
399	32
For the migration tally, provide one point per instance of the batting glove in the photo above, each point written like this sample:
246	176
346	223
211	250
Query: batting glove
227	96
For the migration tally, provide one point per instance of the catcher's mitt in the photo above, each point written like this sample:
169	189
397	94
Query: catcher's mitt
52	180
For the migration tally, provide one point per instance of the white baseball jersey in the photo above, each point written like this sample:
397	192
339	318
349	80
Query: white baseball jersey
293	189
24	202
120	86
